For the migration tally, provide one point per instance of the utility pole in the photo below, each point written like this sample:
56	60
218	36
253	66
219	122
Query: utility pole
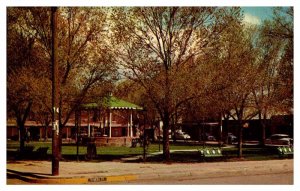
55	95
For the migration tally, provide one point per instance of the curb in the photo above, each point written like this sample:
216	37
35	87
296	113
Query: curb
117	178
70	180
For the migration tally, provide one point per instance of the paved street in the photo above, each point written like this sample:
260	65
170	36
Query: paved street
261	179
241	172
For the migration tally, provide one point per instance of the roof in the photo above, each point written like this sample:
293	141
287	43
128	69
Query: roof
13	123
113	103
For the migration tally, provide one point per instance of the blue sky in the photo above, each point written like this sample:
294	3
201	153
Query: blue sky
257	15
261	12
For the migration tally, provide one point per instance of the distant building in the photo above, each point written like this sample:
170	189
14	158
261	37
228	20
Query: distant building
116	122
252	129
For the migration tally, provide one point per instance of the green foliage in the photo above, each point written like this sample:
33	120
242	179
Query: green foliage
183	62
255	153
71	149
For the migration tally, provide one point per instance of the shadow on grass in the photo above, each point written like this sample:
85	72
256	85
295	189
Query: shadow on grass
229	154
14	156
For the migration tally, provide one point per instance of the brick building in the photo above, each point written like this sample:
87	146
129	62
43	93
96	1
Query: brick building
115	122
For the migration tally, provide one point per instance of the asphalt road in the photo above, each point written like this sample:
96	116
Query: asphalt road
265	179
262	179
273	172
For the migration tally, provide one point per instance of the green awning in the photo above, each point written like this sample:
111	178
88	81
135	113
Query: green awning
115	103
112	103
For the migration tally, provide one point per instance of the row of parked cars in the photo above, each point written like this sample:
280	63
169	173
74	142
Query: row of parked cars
275	139
279	139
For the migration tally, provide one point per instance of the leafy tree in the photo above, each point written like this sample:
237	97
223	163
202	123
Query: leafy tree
234	74
157	47
273	91
280	29
264	89
21	58
41	108
19	99
85	62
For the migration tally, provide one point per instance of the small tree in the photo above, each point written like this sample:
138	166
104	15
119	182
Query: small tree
281	30
234	65
21	58
273	90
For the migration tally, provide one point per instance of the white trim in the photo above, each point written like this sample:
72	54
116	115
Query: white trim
110	115
131	133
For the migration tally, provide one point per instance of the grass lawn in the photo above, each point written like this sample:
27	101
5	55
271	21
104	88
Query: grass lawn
111	152
71	149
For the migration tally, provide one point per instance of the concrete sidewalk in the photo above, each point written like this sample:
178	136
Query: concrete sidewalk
39	172
69	172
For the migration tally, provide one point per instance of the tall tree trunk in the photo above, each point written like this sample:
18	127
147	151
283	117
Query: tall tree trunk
46	132
22	136
60	135
60	129
240	142
263	135
263	128
264	124
21	119
166	145
225	127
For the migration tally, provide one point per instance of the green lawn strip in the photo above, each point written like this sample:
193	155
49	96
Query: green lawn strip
184	147
16	144
71	149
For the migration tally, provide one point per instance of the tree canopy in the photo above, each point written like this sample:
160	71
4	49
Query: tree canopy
178	62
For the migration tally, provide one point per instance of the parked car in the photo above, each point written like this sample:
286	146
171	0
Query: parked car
180	135
279	139
209	137
231	138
